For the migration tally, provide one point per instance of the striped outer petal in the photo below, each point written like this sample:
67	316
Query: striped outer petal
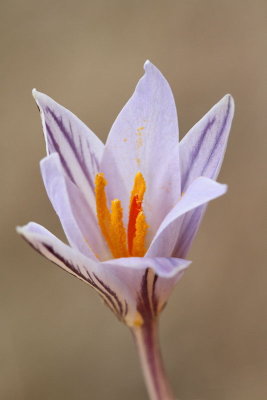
77	218
189	227
203	147
201	191
144	138
130	287
201	154
78	147
149	281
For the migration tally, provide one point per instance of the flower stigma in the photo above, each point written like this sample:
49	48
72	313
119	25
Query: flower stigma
120	242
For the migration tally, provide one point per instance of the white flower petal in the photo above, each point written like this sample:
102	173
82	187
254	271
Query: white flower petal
144	138
199	192
147	283
78	147
88	270
202	148
77	218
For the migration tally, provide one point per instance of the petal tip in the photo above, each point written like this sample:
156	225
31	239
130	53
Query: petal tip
40	98
146	64
176	270
229	101
19	229
224	187
213	184
35	94
186	265
149	66
23	230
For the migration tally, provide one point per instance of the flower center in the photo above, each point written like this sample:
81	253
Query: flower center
120	243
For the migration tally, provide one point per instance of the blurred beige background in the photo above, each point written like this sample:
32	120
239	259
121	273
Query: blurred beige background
57	341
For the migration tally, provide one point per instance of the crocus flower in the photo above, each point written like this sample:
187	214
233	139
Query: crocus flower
130	208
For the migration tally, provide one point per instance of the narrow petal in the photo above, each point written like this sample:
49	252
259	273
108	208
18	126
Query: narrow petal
188	230
78	147
144	138
165	267
84	268
77	218
53	249
202	149
134	288
199	192
165	286
148	283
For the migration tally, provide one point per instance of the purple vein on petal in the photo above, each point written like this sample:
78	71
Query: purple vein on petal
154	297
57	150
188	231
111	293
126	308
196	149
143	303
219	135
107	296
76	270
147	301
68	264
147	311
69	138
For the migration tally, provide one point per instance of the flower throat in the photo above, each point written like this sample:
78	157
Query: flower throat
120	242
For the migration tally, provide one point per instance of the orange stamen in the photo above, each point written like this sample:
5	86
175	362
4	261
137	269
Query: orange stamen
111	222
135	209
141	227
102	211
119	242
136	214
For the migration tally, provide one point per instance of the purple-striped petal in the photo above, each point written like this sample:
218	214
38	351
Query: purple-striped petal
94	273
77	218
188	230
144	138
54	250
202	149
201	191
148	283
78	147
134	288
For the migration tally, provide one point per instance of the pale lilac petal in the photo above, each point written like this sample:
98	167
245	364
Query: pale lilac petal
201	191
202	149
53	249
77	218
148	283
78	147
144	138
95	274
132	288
164	288
188	231
166	267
